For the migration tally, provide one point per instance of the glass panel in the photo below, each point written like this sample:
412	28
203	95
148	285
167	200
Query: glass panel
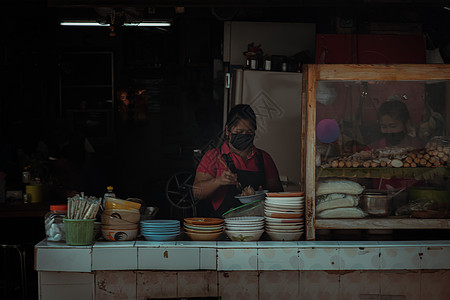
389	136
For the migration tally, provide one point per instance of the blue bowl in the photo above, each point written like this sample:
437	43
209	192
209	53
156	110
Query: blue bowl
143	232
160	227
160	223
161	237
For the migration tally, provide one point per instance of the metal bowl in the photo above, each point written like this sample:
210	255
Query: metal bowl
376	203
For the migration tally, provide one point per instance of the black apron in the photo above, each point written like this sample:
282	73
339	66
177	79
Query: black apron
245	178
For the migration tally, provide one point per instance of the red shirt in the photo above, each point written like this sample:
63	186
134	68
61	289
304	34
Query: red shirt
211	165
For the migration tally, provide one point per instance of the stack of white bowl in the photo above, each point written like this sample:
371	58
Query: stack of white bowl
284	216
244	229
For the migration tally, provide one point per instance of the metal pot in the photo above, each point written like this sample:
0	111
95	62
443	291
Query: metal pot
376	203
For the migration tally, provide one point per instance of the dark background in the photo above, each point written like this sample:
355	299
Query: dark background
174	65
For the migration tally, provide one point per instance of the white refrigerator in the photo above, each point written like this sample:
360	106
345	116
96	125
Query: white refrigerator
276	99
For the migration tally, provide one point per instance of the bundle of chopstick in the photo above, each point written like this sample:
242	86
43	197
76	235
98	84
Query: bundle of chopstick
81	207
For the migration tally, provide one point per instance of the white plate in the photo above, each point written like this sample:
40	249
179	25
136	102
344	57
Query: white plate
291	209
284	230
279	207
245	219
278	236
276	220
234	228
284	202
275	227
272	211
285	199
283	210
284	206
244	236
244	223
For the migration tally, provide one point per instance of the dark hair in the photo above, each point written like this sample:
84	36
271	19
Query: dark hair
241	112
395	108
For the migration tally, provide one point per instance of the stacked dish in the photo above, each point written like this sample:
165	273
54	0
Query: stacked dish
203	229
160	230
284	215
120	220
244	229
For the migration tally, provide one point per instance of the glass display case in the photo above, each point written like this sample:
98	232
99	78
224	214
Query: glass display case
377	147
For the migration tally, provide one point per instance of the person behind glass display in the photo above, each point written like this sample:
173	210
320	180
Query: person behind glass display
393	119
215	183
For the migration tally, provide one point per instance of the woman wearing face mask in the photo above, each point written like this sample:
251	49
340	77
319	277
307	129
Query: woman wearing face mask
237	159
393	118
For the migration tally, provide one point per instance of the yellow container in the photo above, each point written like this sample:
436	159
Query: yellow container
114	203
34	193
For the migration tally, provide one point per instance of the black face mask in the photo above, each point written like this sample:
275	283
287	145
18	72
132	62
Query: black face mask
241	141
394	138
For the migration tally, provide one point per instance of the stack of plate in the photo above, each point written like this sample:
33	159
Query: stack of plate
160	230
244	229
284	215
203	229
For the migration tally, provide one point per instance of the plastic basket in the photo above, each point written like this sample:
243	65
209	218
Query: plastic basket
254	209
79	232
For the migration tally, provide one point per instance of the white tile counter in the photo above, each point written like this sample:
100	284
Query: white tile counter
250	256
255	270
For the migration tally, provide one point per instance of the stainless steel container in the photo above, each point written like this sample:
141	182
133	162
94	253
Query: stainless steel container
376	203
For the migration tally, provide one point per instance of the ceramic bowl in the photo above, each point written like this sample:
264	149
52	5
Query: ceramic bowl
120	216
120	226
284	236
203	236
244	236
259	195
119	234
161	237
114	203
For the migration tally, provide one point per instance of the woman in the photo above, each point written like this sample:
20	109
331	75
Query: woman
237	160
393	118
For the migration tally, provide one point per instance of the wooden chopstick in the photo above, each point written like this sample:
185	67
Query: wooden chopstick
238	185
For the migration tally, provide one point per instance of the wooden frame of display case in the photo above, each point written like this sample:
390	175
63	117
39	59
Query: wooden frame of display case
346	72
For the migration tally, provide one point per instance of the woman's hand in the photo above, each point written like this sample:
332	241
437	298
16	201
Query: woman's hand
227	178
205	185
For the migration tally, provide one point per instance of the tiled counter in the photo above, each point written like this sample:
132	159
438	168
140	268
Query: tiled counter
252	270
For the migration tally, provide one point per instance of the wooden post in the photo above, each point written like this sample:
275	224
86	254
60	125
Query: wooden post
310	179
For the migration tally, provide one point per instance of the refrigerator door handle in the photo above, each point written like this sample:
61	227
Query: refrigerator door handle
227	80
